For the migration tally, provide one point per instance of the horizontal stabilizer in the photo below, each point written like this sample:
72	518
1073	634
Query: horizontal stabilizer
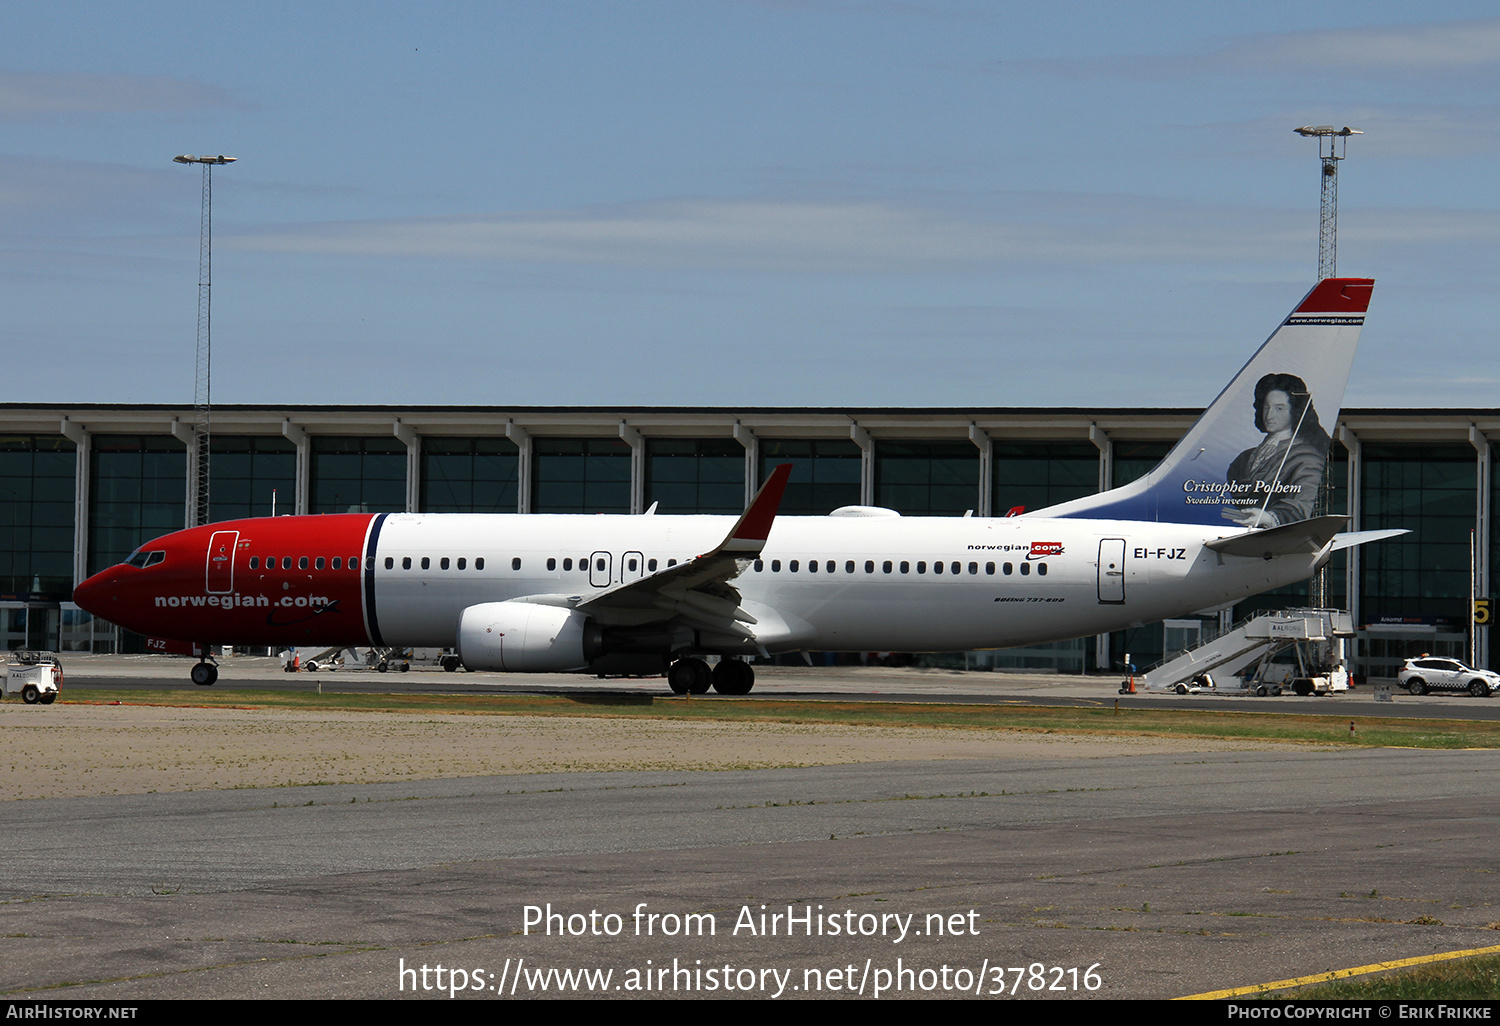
1352	538
1303	536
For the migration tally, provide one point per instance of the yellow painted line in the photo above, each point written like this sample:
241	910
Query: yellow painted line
1338	974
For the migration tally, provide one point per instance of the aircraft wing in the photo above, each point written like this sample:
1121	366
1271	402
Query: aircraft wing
698	592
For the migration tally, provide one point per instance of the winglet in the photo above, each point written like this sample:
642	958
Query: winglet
750	532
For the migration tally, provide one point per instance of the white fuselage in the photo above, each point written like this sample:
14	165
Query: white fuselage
875	587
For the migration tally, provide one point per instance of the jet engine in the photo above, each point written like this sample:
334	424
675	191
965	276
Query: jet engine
524	637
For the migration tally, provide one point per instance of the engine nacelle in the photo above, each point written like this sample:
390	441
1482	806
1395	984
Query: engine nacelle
524	637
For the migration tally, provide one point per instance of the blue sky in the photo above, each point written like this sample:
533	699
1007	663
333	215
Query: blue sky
738	202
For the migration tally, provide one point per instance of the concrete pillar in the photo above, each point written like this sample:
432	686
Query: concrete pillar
1351	443
986	446
1106	447
80	439
516	433
185	434
413	443
866	445
637	444
747	438
301	501
1481	540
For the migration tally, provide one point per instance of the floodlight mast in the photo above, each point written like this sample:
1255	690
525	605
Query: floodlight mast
197	500
1330	155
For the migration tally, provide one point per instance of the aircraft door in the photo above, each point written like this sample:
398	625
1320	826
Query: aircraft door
632	566
1112	571
219	579
600	569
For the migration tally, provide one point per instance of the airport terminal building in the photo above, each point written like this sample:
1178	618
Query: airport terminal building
82	485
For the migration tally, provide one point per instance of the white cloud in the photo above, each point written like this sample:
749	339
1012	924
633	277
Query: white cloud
791	235
1428	47
33	95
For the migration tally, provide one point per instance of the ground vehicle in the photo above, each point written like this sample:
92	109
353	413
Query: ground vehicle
1429	673
35	676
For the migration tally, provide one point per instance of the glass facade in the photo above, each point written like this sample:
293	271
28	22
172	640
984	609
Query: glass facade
695	476
1037	476
243	473
138	485
470	475
37	496
927	479
1428	489
825	473
358	475
580	475
1133	460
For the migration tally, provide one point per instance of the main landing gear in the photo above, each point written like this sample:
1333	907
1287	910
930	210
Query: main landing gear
694	677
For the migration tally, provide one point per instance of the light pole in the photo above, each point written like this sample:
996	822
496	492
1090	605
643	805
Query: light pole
1330	155
197	500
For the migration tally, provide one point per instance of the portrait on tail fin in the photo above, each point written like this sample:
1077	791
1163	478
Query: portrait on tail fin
1277	481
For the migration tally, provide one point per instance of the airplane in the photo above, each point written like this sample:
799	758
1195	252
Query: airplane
1227	514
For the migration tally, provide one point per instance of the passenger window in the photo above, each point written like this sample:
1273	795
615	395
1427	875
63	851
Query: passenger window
812	566
390	563
1041	569
443	563
955	568
568	563
760	565
775	566
869	566
905	567
1025	569
792	566
671	562
831	566
426	563
479	563
937	567
318	563
651	565
630	565
286	562
462	562
301	562
1007	569
515	564
406	562
551	563
885	567
921	566
337	562
989	568
254	562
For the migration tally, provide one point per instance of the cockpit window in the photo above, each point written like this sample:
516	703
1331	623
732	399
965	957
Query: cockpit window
141	558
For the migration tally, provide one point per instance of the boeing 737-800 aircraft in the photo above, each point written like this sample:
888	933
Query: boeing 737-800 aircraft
1227	514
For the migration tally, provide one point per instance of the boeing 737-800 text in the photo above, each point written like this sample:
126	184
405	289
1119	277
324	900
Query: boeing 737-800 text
1227	514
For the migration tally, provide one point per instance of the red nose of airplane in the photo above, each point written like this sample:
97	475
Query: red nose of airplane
95	594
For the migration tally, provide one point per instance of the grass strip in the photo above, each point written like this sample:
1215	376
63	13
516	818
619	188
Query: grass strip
1369	732
1471	979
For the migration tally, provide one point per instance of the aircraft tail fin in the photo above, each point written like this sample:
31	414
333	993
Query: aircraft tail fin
1256	456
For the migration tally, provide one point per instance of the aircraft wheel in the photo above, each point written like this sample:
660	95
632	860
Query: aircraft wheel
30	695
204	674
49	698
1479	689
733	677
690	677
1417	686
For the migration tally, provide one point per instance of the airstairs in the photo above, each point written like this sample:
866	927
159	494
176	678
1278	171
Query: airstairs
1256	639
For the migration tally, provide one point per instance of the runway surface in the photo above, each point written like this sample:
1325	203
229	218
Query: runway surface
1166	874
